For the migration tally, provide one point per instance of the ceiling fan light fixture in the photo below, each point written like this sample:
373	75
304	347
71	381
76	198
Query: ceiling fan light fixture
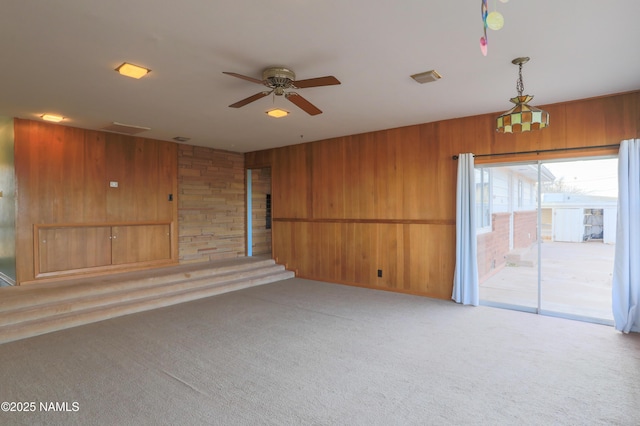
133	71
277	113
280	80
52	117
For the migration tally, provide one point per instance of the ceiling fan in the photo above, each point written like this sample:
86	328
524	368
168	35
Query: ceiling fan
279	80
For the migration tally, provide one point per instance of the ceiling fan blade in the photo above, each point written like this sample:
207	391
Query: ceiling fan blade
244	77
315	82
303	104
249	100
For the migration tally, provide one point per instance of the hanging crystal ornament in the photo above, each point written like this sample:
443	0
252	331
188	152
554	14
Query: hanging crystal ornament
484	41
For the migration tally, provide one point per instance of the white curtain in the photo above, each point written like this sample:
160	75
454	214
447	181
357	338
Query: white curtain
626	269
465	279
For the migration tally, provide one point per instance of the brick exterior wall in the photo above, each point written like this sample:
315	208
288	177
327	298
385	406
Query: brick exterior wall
211	205
493	246
525	224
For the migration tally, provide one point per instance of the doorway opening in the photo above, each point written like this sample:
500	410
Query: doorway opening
546	236
259	212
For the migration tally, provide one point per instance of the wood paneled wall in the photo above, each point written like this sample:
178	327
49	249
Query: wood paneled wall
347	207
63	175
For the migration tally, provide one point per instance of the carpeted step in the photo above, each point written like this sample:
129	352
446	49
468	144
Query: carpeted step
133	291
43	293
22	320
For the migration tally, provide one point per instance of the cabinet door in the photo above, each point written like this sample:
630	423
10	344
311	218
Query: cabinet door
141	243
71	248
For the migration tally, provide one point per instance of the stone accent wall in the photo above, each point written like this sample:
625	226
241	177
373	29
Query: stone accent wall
525	224
211	205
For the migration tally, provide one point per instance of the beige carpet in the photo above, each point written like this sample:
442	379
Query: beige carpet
301	352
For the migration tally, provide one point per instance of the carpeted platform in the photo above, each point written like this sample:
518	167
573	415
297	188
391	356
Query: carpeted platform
35	309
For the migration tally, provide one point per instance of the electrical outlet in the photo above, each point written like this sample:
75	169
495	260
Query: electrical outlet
379	273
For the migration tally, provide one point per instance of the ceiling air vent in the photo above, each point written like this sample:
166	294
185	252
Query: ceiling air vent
127	129
426	77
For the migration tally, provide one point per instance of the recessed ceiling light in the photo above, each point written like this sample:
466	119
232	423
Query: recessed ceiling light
52	117
133	71
277	113
426	77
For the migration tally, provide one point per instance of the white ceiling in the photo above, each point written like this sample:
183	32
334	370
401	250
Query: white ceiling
58	56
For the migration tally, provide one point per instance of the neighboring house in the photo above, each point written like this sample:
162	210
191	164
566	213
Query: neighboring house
506	217
571	217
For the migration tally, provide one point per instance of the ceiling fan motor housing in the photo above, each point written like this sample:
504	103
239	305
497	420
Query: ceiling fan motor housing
278	78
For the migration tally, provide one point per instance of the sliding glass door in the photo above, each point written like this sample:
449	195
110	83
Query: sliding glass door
507	256
546	236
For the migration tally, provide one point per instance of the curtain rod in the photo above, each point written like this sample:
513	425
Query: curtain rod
455	157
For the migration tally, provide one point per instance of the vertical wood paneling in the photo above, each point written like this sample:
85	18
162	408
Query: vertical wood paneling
390	254
388	177
327	179
359	172
306	241
50	143
291	177
93	187
134	164
259	159
62	177
348	251
366	250
283	245
349	206
421	175
57	175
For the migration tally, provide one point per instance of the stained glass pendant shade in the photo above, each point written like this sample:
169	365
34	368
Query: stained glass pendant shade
522	117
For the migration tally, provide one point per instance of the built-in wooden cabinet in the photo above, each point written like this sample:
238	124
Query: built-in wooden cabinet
77	248
92	202
140	243
71	248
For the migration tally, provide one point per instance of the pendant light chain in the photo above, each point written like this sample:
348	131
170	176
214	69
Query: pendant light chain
520	84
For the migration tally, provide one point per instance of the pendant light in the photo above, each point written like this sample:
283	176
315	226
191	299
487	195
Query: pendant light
522	117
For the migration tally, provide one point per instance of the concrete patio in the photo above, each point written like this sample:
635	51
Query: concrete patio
576	280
